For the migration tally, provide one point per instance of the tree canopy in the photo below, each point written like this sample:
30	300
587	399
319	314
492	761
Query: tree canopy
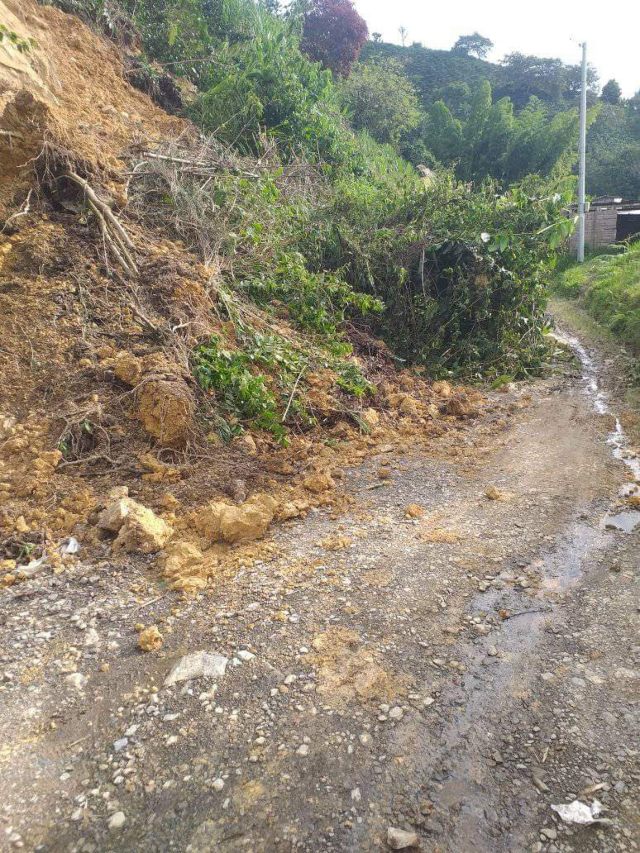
611	92
333	33
473	45
381	100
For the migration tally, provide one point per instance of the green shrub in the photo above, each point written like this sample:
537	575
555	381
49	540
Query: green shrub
317	302
239	393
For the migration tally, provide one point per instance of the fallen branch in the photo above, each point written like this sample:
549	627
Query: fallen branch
199	164
295	385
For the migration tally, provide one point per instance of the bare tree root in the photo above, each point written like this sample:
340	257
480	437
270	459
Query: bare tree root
24	210
113	233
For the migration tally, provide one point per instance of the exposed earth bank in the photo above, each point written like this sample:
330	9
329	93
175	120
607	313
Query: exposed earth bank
450	657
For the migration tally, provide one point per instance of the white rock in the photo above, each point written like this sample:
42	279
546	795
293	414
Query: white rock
399	839
120	744
356	795
303	749
218	784
117	820
91	637
197	665
396	713
77	680
245	655
72	546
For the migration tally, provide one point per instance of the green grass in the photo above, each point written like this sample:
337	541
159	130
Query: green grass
607	287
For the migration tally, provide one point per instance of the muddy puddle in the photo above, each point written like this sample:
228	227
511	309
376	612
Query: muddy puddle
624	519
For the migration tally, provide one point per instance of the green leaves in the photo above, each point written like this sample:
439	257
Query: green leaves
240	393
381	100
559	231
499	243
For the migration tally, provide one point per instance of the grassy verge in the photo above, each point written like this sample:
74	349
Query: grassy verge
607	288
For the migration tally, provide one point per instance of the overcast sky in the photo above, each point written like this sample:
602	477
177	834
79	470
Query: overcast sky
545	28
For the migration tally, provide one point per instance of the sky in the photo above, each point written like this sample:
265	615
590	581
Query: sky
549	28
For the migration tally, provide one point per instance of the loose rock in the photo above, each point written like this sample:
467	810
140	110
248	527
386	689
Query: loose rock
399	839
197	665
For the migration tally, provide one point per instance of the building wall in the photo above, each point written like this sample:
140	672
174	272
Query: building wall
599	229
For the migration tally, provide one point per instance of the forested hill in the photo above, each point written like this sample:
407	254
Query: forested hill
518	77
514	117
431	71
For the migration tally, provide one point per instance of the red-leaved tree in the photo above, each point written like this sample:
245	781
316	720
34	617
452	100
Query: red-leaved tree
333	34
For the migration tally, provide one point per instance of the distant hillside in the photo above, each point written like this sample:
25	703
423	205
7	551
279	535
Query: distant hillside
519	77
431	70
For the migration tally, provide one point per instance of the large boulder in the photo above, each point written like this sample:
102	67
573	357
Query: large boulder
165	408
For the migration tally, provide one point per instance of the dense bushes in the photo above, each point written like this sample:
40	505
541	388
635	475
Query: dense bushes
462	272
321	224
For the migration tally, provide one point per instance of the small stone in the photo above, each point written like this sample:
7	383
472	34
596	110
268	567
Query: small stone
244	655
77	680
197	665
150	639
117	820
217	784
399	839
396	713
91	637
120	744
303	749
414	511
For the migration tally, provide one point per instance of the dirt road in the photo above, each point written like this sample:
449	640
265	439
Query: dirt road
452	671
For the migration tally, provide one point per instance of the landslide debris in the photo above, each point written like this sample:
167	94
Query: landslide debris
130	364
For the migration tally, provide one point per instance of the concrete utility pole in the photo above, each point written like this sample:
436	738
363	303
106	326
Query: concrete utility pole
583	154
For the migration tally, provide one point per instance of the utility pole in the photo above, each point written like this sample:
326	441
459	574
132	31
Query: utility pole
583	155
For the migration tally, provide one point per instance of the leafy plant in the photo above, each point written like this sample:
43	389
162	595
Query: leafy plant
351	380
239	393
381	100
315	301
